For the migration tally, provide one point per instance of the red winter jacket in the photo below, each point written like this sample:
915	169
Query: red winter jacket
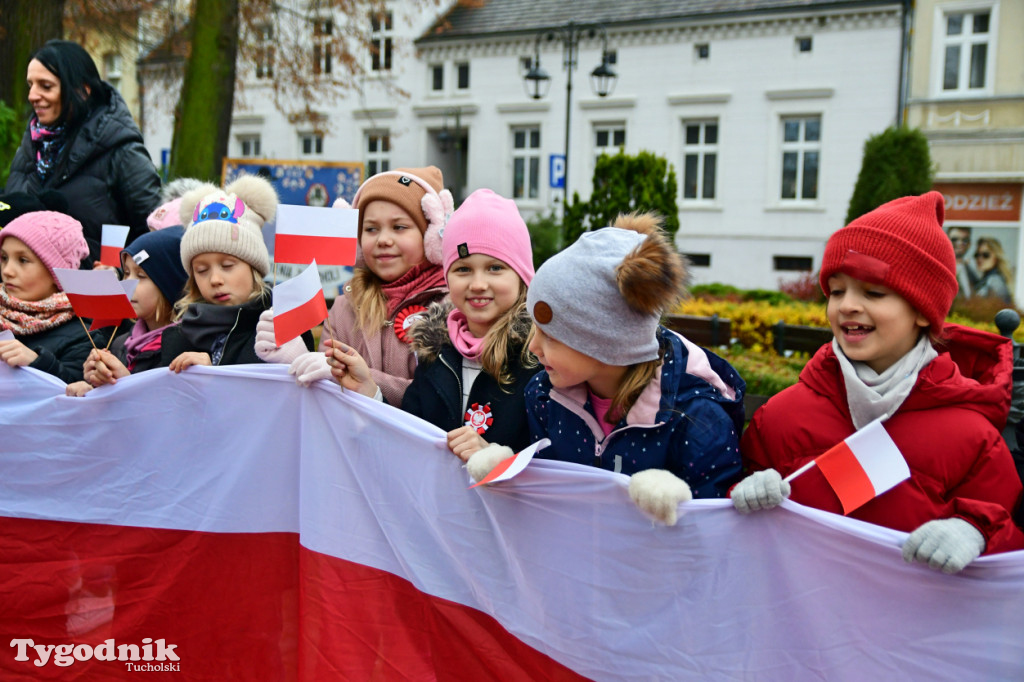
948	429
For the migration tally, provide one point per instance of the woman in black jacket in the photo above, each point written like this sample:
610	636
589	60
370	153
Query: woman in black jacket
82	141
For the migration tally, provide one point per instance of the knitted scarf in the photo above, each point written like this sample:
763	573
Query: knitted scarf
25	318
141	338
871	395
49	142
468	345
419	278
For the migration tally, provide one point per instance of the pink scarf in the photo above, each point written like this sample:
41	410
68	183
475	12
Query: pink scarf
468	345
25	318
419	278
141	339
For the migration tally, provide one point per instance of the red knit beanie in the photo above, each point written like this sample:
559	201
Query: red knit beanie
900	245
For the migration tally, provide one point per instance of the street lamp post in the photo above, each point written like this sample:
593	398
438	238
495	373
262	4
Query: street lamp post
538	82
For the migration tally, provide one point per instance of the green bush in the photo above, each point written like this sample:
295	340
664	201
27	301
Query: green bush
765	373
11	128
896	164
545	236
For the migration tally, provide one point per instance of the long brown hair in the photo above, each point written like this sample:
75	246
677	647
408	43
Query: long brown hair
367	299
513	325
632	385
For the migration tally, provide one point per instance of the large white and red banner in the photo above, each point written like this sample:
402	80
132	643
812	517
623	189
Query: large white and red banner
227	524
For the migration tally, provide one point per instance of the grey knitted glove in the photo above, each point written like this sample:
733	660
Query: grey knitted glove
657	493
760	490
947	545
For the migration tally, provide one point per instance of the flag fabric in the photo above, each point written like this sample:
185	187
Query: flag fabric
305	233
112	242
129	288
863	466
270	531
299	305
95	294
514	465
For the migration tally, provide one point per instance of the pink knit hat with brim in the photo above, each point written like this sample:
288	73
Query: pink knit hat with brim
55	238
900	245
488	224
165	215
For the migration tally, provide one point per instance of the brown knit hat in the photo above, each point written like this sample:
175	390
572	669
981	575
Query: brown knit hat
900	245
419	192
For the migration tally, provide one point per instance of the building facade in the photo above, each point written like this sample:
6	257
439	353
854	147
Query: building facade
762	107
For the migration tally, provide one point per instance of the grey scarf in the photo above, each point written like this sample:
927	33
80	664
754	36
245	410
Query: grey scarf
871	395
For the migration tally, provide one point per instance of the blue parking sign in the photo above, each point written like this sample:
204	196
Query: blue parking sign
556	171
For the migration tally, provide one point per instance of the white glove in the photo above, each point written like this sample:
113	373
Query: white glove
760	490
266	347
309	368
947	545
658	492
482	461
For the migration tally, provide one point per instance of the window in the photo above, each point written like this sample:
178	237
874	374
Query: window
700	159
265	51
801	157
437	77
699	260
462	72
322	30
609	138
965	52
804	44
792	263
526	162
378	152
702	51
112	69
380	41
249	145
312	144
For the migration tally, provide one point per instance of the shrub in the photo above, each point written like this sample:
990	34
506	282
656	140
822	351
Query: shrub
803	288
896	164
545	237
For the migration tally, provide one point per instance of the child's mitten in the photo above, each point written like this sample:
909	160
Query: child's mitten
760	490
946	544
309	368
266	346
658	492
482	461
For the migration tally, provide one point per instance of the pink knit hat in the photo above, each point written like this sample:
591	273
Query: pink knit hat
54	237
165	215
488	224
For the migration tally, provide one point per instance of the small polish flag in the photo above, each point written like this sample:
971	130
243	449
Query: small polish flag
129	288
304	233
112	243
512	466
96	294
862	467
299	305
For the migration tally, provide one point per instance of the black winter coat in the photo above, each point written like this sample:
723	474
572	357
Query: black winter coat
435	393
147	359
202	320
104	172
62	350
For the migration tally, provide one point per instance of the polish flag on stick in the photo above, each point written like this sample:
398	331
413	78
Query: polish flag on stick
112	243
862	467
299	305
512	466
129	288
96	294
304	233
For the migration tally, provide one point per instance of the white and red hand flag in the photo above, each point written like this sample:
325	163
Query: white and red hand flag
305	233
112	243
512	466
97	294
863	466
299	305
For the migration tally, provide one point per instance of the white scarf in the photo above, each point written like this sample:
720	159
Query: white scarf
872	395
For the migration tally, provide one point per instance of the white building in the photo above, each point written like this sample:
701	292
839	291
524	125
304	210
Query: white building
762	107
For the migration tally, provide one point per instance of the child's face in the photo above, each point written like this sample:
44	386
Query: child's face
872	323
222	279
483	288
391	242
24	275
147	297
568	367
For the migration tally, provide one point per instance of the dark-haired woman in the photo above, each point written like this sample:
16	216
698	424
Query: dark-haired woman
82	142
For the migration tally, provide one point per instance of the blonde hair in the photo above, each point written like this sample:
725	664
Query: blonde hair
365	292
510	326
193	295
1002	265
633	383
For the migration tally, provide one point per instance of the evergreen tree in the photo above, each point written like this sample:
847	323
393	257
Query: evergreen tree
896	164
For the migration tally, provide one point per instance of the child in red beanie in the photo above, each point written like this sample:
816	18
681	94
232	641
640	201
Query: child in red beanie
32	304
941	390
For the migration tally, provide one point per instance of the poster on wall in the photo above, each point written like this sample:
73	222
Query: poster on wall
303	183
